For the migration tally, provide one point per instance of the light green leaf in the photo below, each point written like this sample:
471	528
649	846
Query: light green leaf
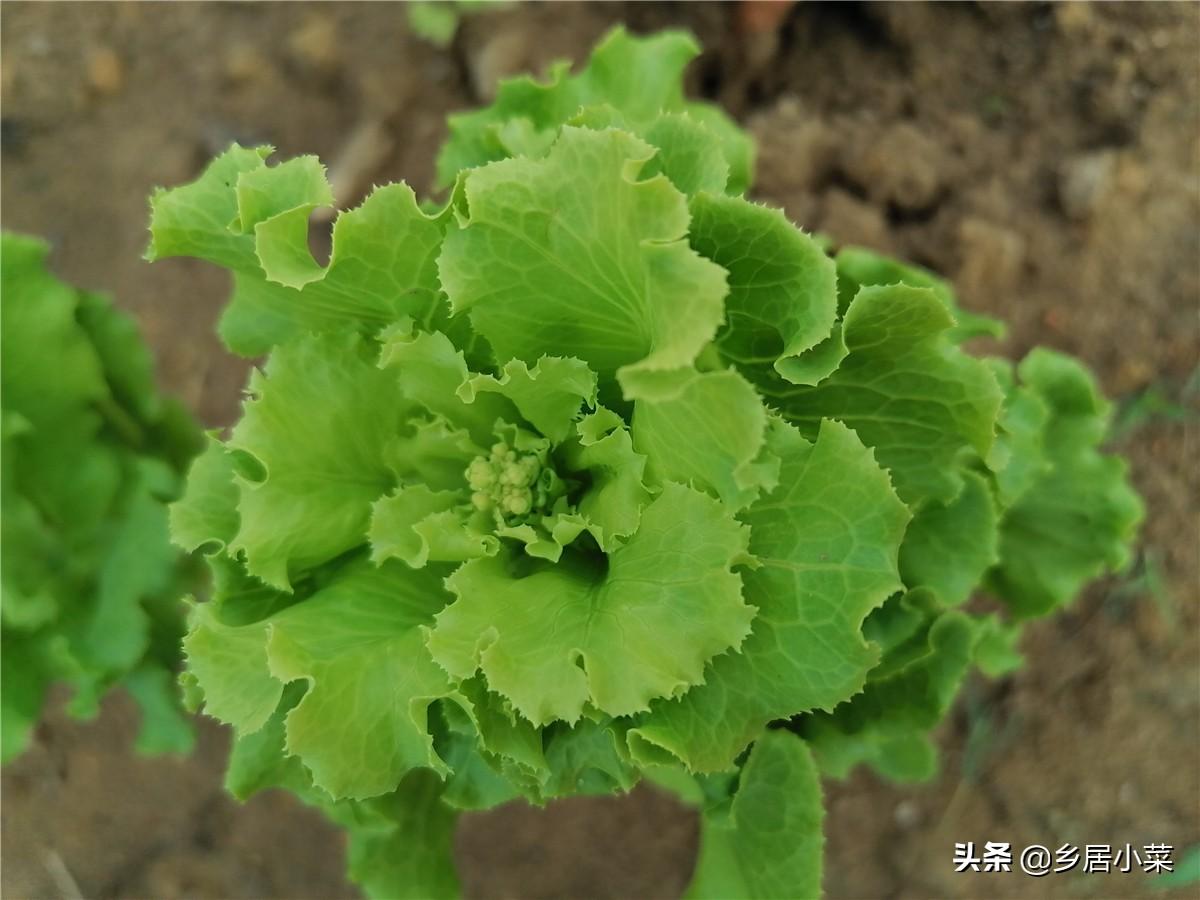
549	396
206	515
688	154
996	652
913	397
598	269
949	546
230	666
418	525
725	426
769	846
826	542
736	145
258	760
636	77
253	220
603	449
358	643
564	635
858	267
318	429
782	301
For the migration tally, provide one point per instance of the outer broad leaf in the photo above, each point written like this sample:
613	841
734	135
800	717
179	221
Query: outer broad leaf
407	853
688	153
915	398
887	726
230	665
566	635
253	220
949	546
782	290
1077	519
318	430
29	664
164	727
826	542
139	563
357	643
1018	457
769	846
596	269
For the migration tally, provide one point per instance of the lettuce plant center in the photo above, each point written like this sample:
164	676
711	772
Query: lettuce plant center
512	484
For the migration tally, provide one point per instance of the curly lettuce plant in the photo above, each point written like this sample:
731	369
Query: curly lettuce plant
600	472
91	454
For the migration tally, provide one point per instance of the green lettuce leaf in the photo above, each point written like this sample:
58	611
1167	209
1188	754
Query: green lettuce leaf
557	637
949	546
887	725
916	399
782	302
314	442
357	642
1079	517
252	219
407	853
769	843
638	300
631	82
90	452
858	267
826	542
724	412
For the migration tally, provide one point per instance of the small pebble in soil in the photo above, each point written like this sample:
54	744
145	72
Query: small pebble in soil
504	54
1083	182
244	64
907	814
314	46
105	71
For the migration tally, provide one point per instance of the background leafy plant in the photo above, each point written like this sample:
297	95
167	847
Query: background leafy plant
600	472
92	453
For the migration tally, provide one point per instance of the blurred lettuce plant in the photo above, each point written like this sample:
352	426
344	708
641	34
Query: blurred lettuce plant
92	453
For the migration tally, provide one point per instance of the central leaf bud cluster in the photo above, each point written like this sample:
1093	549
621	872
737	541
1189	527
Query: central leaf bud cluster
512	483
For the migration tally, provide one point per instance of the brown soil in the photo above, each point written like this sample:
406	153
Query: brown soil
1047	158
